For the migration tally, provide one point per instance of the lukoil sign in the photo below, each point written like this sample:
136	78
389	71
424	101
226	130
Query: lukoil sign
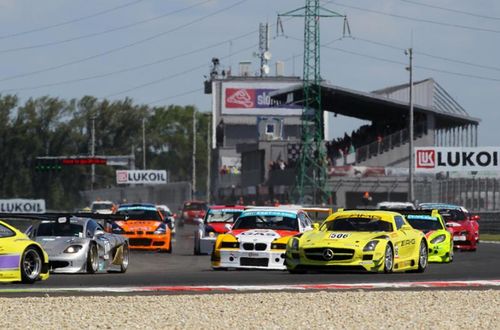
19	205
141	176
444	159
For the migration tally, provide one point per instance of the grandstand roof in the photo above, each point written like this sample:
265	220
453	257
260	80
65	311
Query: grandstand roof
387	103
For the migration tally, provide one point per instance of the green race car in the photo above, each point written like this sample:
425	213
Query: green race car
432	224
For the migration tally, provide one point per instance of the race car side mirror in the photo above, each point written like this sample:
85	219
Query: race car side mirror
228	226
316	226
475	217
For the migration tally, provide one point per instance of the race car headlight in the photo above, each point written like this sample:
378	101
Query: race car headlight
208	230
160	230
295	244
278	246
438	239
370	246
73	249
230	245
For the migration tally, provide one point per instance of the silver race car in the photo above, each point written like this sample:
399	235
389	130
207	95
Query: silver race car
80	245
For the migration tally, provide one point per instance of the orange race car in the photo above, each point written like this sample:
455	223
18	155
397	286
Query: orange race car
144	226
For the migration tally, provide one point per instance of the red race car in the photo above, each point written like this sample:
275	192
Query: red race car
460	223
192	210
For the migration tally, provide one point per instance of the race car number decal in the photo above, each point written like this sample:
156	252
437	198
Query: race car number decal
338	235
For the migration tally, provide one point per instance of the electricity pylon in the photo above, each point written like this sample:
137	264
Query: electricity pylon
311	175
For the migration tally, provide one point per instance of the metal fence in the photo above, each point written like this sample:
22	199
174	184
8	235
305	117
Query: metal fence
172	194
475	193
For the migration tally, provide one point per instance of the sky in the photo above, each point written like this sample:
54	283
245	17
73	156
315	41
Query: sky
157	52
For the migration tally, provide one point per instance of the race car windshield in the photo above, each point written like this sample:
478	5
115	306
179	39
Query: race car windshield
102	206
425	224
452	215
267	222
195	207
220	216
138	214
60	229
358	224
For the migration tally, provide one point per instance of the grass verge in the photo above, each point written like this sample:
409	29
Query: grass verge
489	237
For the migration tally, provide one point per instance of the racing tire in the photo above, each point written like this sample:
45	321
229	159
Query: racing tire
169	246
218	269
196	249
92	265
125	258
423	257
297	271
451	254
31	265
388	259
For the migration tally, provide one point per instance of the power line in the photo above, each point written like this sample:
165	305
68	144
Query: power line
79	19
114	50
466	27
448	59
403	63
176	96
100	33
130	69
416	66
452	10
156	81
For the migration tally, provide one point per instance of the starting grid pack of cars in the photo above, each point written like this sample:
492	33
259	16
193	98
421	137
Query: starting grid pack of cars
293	238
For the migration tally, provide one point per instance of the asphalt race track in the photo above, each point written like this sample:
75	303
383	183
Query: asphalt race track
182	268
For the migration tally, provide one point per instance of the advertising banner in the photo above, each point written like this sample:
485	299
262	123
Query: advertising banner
250	98
141	177
22	205
450	159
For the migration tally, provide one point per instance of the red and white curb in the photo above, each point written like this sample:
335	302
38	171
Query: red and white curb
255	288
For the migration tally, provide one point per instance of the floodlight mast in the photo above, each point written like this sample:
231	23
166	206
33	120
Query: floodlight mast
311	172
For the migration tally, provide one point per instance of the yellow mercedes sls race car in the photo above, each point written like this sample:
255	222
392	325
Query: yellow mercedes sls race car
376	241
432	224
21	259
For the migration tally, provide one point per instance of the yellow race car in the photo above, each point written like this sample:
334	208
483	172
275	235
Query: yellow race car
21	259
432	224
376	241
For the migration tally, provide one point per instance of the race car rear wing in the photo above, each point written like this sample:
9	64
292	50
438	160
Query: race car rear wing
55	216
404	212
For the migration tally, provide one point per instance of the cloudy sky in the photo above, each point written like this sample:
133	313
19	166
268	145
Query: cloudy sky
157	52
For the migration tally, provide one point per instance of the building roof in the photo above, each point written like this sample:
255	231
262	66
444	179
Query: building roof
388	103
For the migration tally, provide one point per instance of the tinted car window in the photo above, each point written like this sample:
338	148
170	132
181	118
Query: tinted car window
358	224
140	214
399	221
425	224
60	229
267	222
5	232
453	215
222	216
195	206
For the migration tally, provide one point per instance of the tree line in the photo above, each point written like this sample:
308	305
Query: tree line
49	126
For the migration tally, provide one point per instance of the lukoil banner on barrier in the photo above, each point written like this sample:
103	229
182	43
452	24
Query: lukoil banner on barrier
19	205
449	159
141	176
